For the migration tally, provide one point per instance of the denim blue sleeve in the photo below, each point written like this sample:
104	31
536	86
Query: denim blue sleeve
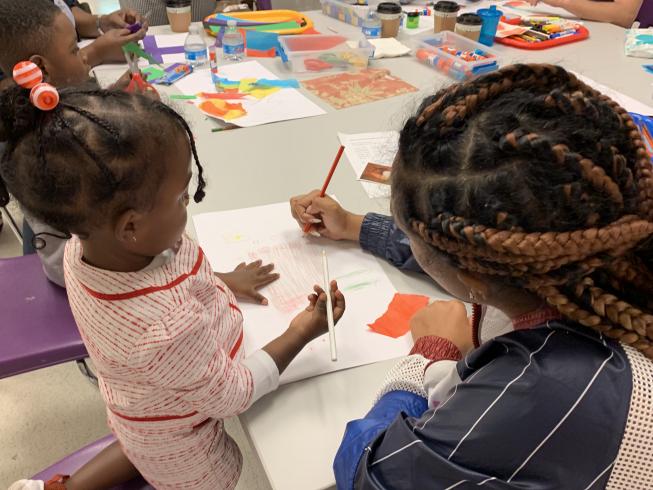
645	126
381	237
359	434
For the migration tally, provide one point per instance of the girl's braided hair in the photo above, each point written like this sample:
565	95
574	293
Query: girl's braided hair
530	175
96	155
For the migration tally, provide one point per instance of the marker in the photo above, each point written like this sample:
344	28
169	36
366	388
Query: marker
307	226
569	32
327	289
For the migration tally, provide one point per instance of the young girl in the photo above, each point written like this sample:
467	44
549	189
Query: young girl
164	332
528	191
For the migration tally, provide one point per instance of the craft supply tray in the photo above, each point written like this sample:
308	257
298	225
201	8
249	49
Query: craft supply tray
435	50
323	53
344	12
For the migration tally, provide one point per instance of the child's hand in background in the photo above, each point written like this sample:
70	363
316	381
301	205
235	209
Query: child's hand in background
246	279
328	218
446	319
312	322
120	19
108	47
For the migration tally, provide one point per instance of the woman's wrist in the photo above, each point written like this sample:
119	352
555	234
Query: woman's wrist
353	226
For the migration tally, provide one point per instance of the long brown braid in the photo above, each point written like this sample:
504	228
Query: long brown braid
531	175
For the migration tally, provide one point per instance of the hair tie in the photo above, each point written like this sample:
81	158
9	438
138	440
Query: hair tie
29	76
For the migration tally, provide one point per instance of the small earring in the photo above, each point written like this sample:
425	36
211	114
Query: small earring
472	296
134	238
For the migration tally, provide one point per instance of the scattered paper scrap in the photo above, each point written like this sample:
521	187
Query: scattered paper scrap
349	89
169	75
395	322
364	148
222	109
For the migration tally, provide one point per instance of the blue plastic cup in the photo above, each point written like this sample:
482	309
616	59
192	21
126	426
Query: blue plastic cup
491	18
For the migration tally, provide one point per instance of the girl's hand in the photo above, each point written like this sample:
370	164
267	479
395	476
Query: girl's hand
312	322
327	217
246	279
446	319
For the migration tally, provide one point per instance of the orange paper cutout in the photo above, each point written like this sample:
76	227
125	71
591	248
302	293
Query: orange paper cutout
222	109
395	321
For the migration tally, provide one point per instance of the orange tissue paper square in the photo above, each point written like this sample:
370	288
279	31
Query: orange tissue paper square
395	322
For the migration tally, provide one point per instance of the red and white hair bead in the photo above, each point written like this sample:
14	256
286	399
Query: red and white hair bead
42	95
27	74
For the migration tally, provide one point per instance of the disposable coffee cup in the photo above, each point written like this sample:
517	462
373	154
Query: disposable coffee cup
469	26
179	14
389	13
444	16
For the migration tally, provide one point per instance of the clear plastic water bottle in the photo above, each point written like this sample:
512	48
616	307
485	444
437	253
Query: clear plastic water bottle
195	47
372	26
233	44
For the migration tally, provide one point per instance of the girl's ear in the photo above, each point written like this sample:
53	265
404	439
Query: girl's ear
127	227
39	61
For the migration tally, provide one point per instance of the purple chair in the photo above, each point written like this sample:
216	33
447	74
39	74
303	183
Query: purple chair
38	329
72	463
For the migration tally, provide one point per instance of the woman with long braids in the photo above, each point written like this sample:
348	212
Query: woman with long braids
528	191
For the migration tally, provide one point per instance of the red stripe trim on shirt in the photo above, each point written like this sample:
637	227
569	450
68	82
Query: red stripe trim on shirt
149	290
160	418
236	346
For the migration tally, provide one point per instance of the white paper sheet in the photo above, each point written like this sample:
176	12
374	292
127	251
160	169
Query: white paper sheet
364	148
170	40
625	101
270	233
283	105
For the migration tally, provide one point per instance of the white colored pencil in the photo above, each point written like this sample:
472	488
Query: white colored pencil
327	289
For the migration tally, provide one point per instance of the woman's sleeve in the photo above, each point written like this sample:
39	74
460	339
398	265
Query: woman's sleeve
402	393
381	237
533	410
183	354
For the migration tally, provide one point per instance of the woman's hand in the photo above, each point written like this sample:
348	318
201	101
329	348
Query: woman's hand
312	322
326	217
446	319
246	279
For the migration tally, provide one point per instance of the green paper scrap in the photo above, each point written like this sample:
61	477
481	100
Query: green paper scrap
183	97
153	72
133	48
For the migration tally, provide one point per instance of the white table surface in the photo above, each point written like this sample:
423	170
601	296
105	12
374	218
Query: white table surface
296	430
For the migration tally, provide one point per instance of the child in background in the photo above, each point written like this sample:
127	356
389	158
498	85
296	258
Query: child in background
40	32
164	332
109	31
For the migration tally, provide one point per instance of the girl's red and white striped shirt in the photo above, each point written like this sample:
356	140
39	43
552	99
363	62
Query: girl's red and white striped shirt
166	342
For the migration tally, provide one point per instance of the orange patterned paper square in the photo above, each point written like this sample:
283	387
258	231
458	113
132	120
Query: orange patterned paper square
349	89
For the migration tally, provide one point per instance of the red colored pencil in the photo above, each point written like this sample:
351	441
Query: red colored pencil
307	226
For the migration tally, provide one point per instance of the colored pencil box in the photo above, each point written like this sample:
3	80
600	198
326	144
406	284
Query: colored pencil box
455	55
581	34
